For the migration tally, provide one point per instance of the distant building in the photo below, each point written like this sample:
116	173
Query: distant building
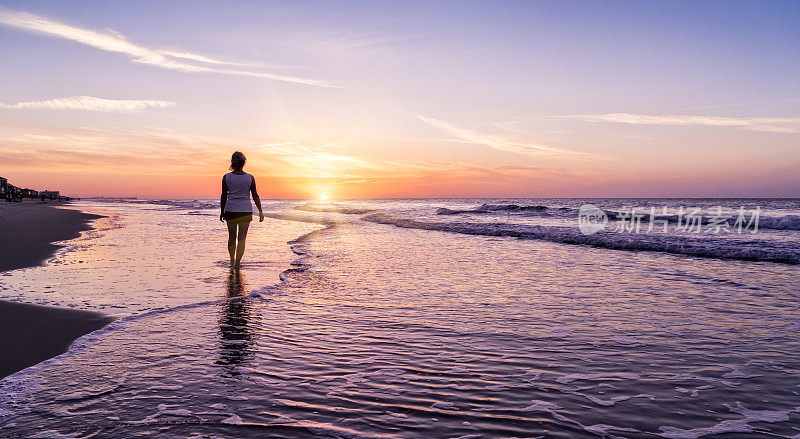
13	193
9	192
29	193
53	195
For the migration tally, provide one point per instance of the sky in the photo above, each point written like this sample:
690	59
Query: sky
403	99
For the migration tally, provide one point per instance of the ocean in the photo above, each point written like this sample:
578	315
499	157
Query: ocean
434	318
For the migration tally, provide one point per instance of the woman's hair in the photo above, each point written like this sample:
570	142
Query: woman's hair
237	160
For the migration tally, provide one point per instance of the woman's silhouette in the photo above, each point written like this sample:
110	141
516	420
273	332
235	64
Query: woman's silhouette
235	206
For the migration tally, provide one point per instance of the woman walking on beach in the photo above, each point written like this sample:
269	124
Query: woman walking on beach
235	207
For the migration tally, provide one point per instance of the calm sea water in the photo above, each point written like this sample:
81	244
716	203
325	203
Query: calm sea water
421	318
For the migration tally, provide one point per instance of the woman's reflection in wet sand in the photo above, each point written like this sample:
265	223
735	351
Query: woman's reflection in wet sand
235	326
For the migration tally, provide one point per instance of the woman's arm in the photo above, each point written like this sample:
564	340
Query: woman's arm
256	198
222	199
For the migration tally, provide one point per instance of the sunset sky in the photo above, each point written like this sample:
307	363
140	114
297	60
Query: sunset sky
402	99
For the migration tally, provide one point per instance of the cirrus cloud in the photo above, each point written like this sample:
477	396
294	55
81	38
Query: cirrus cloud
469	136
111	41
89	103
772	124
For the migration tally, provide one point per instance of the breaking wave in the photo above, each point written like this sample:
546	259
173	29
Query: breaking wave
751	250
489	208
787	222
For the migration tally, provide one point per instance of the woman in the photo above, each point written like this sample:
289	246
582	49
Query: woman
235	206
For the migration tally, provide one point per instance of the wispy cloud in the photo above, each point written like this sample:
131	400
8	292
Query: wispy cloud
89	103
115	42
355	42
738	104
773	124
470	136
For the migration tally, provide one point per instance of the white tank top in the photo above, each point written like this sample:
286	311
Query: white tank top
238	192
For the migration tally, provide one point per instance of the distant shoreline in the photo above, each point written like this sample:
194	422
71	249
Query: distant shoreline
30	334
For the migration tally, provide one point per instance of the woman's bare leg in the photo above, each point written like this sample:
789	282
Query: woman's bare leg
232	241
240	242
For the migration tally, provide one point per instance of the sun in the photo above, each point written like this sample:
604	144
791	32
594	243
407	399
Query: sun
322	197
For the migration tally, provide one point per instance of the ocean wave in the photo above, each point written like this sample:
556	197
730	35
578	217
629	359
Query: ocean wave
299	218
786	222
188	204
333	208
751	250
489	208
174	204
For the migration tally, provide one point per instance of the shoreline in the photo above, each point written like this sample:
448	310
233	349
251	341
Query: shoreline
30	334
29	229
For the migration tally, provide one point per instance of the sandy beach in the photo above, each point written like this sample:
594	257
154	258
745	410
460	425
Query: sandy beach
29	229
30	334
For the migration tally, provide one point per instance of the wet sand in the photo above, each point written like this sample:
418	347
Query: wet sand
28	230
30	334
